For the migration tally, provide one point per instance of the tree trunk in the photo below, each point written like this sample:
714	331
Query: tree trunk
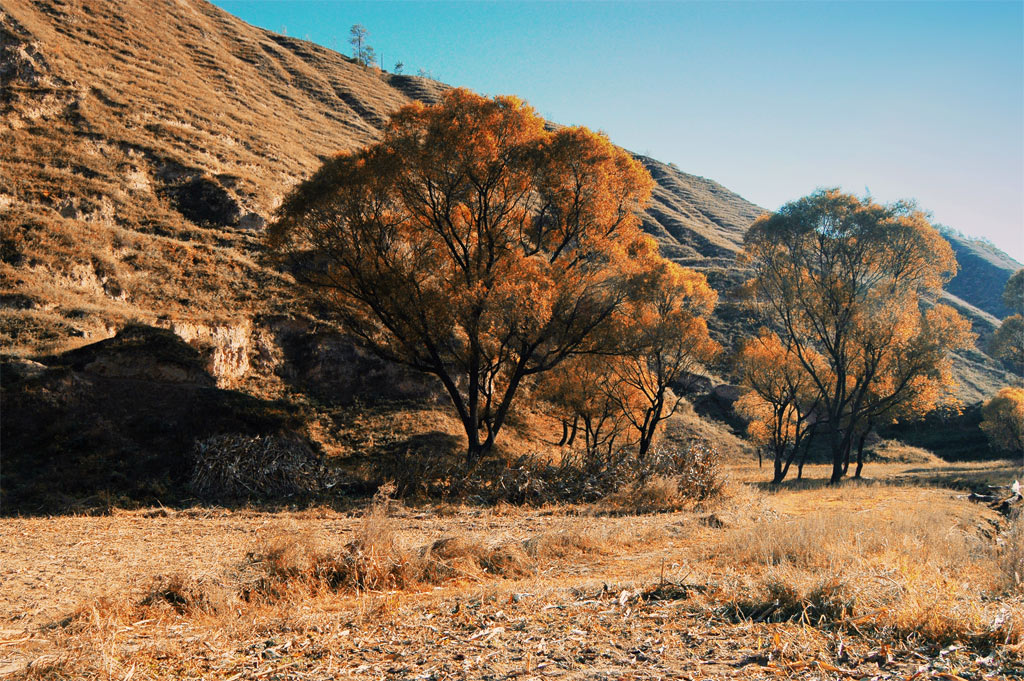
575	428
837	469
837	451
860	451
650	425
840	455
476	449
803	457
779	473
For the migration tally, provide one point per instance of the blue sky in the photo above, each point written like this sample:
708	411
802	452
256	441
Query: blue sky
921	100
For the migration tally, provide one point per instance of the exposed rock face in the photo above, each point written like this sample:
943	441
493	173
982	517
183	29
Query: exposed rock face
226	348
691	384
252	221
331	367
726	395
141	353
116	418
204	201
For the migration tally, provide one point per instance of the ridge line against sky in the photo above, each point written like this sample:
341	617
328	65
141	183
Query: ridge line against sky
918	100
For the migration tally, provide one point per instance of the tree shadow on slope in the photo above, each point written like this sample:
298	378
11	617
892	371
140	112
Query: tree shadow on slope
115	422
336	371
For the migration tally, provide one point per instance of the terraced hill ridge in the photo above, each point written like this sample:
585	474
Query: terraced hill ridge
146	144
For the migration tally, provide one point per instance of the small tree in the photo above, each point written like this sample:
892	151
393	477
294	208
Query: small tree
398	67
1003	420
1013	292
472	244
1008	340
587	393
361	50
843	279
664	333
780	402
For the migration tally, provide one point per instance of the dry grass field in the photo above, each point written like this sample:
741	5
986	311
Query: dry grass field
900	577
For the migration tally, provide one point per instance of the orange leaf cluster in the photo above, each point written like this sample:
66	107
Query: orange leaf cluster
476	245
842	281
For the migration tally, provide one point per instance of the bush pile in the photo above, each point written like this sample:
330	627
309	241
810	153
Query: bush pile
663	480
267	467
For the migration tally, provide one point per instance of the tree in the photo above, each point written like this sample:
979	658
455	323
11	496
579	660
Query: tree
1013	292
586	392
665	334
399	66
361	50
844	279
1003	420
780	403
472	244
1008	341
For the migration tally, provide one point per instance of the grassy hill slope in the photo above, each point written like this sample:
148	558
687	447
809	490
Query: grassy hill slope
147	143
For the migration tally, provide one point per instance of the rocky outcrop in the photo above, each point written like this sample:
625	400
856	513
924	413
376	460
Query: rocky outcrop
226	349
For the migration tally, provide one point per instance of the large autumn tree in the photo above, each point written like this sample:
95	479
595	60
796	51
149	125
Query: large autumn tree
472	244
844	284
1003	420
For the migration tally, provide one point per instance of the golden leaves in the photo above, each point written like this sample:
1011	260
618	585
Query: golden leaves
1003	420
474	244
842	280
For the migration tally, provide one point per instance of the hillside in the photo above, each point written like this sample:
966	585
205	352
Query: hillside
984	270
147	144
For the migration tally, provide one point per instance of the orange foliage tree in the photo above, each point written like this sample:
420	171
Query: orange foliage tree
780	401
843	279
588	394
1003	420
472	244
664	331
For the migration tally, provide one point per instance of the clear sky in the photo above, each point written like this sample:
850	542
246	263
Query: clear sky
921	100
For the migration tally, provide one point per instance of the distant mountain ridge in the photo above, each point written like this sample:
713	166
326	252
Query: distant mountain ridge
146	144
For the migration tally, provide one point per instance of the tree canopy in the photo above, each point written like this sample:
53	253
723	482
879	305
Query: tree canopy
475	245
780	401
362	52
1013	292
1003	420
1008	340
843	283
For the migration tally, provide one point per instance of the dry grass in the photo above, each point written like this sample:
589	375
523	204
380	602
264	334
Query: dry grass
1011	553
800	579
914	565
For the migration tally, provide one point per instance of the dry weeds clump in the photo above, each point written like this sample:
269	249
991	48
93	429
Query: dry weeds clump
378	561
374	560
241	466
912	574
1011	553
667	479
